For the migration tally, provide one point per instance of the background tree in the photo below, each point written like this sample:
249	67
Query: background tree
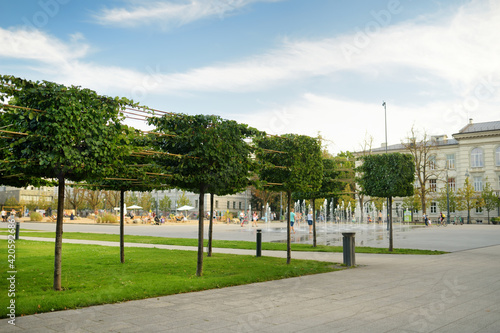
490	200
423	150
379	203
146	201
112	199
75	197
131	199
11	201
347	196
466	198
93	198
165	204
262	197
212	157
290	163
387	175
183	200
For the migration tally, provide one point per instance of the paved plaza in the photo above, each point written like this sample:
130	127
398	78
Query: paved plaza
455	292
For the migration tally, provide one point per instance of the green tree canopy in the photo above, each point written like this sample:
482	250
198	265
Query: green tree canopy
62	133
490	200
290	163
387	175
212	156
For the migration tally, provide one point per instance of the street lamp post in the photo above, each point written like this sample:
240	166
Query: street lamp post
468	210
447	197
386	144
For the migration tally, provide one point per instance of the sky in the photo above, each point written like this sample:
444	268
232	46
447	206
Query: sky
282	66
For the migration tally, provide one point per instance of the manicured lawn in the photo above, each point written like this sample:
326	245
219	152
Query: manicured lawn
220	243
93	274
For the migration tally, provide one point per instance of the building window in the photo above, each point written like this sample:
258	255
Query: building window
479	210
228	203
432	185
476	158
433	207
216	203
432	162
450	161
452	184
478	183
234	204
497	156
196	204
239	205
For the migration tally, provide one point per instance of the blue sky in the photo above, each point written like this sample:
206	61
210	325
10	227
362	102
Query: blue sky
283	66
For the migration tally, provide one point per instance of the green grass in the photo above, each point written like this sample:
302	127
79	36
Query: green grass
221	243
93	274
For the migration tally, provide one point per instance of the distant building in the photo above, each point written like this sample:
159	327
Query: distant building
473	152
30	194
232	203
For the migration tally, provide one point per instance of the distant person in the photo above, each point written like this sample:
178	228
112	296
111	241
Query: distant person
426	220
292	220
4	215
242	218
254	220
379	217
310	221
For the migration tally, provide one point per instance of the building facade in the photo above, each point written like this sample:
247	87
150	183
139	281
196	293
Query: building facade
232	203
43	195
473	152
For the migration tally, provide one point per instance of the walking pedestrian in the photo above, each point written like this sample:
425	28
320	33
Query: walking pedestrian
310	221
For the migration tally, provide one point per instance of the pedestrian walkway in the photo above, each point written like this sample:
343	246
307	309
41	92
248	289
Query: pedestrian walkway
456	292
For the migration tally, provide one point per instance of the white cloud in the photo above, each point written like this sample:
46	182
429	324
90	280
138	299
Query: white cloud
461	51
38	46
168	14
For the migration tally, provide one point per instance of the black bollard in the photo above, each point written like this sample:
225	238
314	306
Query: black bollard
349	249
259	242
17	230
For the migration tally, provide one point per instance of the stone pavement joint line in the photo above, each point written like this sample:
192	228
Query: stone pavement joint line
456	292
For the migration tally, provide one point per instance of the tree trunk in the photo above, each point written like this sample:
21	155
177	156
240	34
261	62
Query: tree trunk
59	234
288	238
210	225
122	226
361	200
199	266
314	221
422	200
390	225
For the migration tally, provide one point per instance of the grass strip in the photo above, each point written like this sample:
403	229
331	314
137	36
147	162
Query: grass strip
245	245
93	274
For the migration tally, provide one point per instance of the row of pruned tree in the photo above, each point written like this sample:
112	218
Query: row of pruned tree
54	134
